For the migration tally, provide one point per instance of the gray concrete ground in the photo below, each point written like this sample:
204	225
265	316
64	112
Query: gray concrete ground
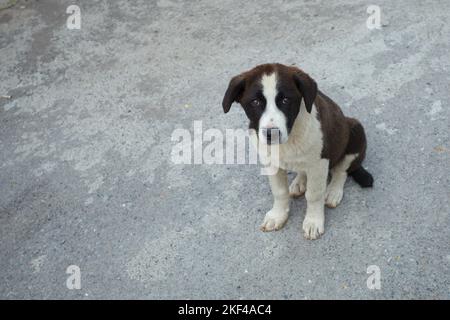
86	177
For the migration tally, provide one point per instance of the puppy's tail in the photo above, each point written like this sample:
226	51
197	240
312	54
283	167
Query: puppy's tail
362	177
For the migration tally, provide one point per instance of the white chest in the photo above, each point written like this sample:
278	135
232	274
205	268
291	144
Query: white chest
305	143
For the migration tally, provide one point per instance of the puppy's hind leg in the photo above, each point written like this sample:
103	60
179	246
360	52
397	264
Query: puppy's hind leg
349	165
298	185
335	189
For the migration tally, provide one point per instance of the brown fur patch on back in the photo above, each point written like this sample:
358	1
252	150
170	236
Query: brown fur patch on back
335	129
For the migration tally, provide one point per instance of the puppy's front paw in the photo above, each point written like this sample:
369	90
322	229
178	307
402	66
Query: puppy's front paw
313	227
274	220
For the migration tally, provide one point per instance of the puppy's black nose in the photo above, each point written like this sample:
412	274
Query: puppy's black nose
272	135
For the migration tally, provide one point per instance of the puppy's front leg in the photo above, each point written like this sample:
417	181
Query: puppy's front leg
316	184
276	217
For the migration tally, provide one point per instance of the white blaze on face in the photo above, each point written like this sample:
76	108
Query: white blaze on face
272	117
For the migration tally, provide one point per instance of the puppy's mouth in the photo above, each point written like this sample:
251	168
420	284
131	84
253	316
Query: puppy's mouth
272	136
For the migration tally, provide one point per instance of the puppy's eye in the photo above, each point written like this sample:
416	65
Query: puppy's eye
285	101
256	103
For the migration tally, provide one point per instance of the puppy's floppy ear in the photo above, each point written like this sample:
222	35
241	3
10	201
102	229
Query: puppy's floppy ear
234	92
307	87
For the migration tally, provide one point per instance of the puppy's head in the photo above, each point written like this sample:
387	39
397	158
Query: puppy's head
271	95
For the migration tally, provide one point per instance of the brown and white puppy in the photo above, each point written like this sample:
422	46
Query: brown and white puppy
314	139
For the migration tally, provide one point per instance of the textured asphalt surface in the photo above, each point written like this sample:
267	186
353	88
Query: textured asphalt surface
86	176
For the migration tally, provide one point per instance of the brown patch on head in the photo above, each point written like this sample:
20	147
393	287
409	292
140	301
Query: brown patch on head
293	85
238	84
306	85
242	82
